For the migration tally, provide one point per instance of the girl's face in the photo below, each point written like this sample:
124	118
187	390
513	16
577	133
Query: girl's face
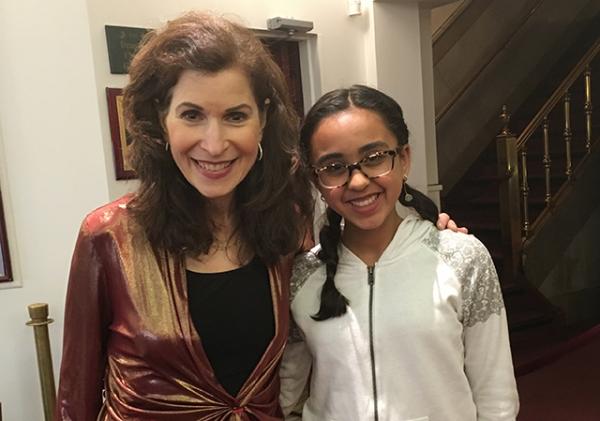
347	137
213	126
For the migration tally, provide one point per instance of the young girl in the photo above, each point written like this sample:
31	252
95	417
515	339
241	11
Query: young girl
395	319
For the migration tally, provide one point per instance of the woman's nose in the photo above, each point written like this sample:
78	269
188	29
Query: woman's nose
213	138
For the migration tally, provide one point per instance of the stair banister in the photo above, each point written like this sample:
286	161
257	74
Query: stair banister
561	94
510	216
558	94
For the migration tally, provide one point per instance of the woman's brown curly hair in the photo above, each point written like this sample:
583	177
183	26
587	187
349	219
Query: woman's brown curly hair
273	202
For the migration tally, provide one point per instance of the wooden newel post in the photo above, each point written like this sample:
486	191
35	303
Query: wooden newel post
509	195
40	321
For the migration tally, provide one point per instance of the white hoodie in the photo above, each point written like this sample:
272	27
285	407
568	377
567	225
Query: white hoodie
439	348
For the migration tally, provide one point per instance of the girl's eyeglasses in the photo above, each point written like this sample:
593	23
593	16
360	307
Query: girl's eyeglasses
337	174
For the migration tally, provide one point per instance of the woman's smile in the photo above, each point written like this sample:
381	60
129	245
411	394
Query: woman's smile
214	170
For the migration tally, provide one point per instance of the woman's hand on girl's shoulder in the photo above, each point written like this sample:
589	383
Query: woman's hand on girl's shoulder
444	222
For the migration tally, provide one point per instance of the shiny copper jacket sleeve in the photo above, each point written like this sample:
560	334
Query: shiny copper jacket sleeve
87	317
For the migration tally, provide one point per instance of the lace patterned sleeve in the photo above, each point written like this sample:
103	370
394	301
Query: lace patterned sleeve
481	292
473	266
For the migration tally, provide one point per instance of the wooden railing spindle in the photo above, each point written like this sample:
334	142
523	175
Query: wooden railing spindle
525	191
547	161
567	134
588	108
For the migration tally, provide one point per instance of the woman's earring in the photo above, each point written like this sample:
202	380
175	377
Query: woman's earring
322	198
407	196
260	152
167	146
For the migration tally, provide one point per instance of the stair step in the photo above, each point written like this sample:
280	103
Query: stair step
526	319
526	308
545	343
527	344
510	287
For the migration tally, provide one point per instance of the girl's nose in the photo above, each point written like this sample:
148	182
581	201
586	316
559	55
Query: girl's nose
358	180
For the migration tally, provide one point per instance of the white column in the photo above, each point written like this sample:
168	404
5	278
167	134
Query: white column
398	48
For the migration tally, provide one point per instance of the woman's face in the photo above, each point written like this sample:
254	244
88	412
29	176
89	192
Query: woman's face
213	126
345	138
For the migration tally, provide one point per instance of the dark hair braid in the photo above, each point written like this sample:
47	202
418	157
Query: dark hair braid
333	303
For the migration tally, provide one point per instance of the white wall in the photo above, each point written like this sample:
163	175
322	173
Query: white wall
55	148
53	173
400	64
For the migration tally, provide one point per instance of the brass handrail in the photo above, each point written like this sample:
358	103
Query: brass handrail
558	94
470	81
40	321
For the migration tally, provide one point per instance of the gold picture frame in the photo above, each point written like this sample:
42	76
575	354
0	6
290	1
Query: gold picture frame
121	142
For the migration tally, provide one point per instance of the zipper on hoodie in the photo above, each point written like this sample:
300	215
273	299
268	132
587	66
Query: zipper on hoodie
371	279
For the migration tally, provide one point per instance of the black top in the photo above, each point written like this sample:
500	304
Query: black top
233	314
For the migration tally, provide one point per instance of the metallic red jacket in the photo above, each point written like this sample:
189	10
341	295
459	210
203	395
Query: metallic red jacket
128	332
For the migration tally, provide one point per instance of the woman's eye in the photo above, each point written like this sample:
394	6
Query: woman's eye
191	115
237	117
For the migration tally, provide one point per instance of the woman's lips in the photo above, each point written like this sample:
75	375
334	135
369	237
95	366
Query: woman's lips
214	169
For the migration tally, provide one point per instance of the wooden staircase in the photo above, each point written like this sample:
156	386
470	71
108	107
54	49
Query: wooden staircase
474	201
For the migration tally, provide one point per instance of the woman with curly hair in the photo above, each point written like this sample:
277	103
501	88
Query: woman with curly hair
177	303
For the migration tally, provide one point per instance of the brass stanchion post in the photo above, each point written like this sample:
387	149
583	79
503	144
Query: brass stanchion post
40	321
